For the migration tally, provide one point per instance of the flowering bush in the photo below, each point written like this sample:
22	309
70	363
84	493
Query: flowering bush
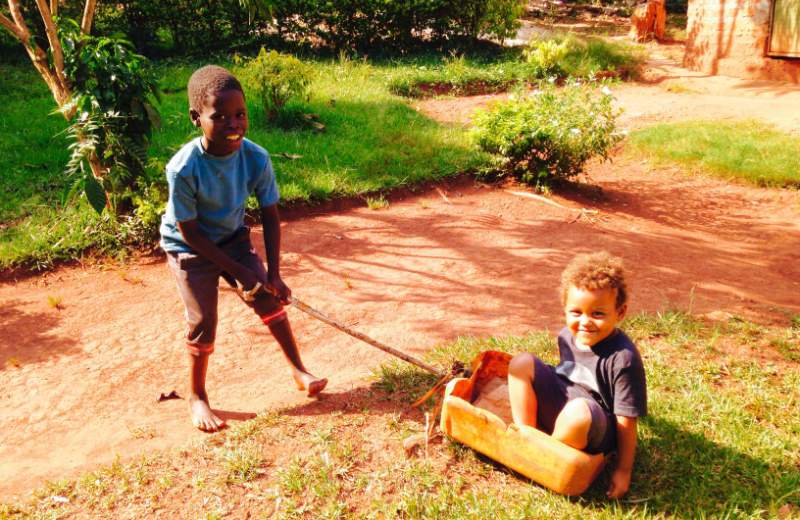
550	133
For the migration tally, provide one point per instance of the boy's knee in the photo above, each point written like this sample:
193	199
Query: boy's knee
522	366
200	349
577	413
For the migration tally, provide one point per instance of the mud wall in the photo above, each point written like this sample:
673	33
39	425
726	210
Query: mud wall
730	37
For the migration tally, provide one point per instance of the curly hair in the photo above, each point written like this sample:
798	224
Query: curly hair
595	271
210	80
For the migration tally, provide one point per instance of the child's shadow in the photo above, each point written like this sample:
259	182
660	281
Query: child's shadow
684	473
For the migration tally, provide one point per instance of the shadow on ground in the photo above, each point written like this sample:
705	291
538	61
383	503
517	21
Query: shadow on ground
25	338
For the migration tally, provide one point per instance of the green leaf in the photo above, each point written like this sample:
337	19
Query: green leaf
94	193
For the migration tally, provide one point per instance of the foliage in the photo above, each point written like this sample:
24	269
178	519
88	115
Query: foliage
275	79
557	56
547	56
368	24
180	27
564	56
746	150
162	27
373	142
550	133
113	96
460	76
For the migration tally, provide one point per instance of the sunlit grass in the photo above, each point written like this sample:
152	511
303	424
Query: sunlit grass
722	440
372	141
746	150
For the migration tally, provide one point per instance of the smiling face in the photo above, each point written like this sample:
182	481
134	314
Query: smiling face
223	120
592	314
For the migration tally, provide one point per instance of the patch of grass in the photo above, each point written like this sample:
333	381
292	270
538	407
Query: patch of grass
680	88
461	76
588	57
722	440
372	141
583	57
746	150
241	462
377	202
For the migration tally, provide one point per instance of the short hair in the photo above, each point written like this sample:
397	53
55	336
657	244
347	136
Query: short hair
595	271
210	80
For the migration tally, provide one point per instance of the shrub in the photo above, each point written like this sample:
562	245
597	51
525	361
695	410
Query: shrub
550	133
275	78
583	57
180	27
546	56
113	99
162	27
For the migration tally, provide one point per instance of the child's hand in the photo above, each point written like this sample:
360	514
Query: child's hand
620	482
280	289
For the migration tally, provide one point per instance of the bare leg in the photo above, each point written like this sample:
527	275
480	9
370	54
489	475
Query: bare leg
282	332
202	416
520	389
573	423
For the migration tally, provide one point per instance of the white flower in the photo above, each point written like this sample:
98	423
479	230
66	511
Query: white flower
605	90
574	131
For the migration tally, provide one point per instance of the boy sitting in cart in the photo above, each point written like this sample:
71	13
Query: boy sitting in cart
592	399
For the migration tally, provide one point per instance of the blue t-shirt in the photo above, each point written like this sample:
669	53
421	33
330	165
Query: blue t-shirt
214	190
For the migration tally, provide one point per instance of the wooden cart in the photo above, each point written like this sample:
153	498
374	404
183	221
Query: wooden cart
476	412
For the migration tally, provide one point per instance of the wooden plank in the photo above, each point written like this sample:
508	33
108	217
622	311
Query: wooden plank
784	38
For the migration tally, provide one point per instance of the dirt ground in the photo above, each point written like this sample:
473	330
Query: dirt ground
85	352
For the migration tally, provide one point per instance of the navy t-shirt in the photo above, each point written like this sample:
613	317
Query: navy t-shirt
612	371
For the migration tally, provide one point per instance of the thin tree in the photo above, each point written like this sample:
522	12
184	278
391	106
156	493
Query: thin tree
52	72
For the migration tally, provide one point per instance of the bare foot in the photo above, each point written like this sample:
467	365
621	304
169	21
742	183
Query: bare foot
305	381
202	416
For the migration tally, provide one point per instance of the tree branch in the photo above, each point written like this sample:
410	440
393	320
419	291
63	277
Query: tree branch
11	26
38	57
54	7
19	21
88	16
52	38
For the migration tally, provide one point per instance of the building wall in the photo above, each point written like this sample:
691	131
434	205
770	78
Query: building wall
730	37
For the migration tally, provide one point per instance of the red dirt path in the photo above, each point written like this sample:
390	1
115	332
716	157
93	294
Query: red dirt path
78	385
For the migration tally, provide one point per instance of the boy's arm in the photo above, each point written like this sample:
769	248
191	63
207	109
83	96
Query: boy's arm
271	223
626	450
205	247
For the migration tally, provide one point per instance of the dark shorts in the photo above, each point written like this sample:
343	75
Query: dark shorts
198	285
553	392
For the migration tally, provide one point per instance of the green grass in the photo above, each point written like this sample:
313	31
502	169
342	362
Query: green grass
722	440
373	141
586	57
746	150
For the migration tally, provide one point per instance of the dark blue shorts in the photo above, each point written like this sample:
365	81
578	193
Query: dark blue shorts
198	285
553	392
